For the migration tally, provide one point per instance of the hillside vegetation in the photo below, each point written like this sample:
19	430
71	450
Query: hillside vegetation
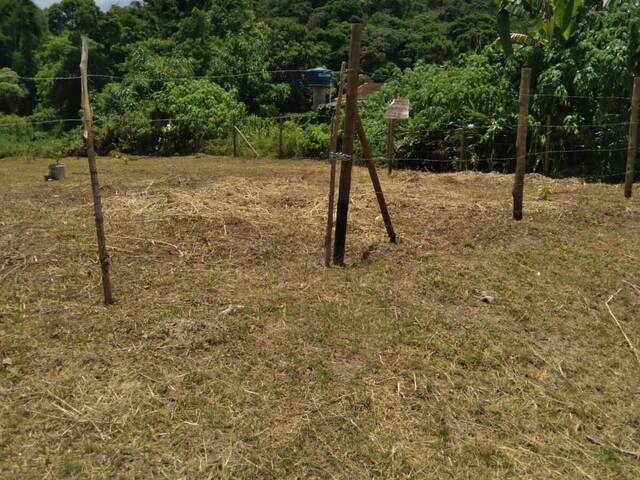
172	76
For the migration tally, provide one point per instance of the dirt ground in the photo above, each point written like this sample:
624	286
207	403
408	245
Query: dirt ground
233	353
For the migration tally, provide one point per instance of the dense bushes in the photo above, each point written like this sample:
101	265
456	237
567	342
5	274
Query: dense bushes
18	136
476	95
581	88
182	117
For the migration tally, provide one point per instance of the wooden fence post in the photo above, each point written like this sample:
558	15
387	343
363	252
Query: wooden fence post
346	164
547	147
280	140
235	140
632	153
521	144
93	170
335	126
391	144
463	152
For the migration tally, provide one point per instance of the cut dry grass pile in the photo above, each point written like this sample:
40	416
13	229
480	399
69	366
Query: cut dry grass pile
232	353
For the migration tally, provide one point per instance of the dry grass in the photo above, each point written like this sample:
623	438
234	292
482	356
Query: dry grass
232	353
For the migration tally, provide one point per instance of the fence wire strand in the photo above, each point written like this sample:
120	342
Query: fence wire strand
165	79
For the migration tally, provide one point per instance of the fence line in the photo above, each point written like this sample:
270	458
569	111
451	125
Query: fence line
577	97
167	79
585	150
316	115
610	175
41	122
542	125
156	120
587	125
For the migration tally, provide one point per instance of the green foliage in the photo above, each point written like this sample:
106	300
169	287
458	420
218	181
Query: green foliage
59	57
179	117
172	76
22	29
12	93
19	138
583	88
305	140
549	20
476	93
74	15
202	111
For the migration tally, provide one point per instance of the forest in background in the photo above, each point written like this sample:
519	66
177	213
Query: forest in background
188	61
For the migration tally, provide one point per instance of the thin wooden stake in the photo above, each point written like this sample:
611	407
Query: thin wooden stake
462	165
547	147
93	170
280	139
633	348
521	144
346	166
633	140
235	141
246	140
373	173
391	144
335	125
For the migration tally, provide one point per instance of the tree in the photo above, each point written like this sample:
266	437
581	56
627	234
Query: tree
201	111
59	58
74	15
12	94
22	30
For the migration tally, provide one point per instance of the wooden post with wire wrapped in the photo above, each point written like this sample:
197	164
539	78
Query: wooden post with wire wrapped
353	126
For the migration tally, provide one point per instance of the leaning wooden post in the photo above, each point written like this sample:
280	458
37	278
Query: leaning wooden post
246	140
93	170
373	173
521	144
633	139
391	144
346	164
335	126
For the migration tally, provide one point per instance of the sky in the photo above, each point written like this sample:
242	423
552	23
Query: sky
103	4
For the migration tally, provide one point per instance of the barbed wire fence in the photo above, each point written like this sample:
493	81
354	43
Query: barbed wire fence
554	148
471	146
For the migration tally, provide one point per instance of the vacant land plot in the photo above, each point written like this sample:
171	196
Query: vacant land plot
232	352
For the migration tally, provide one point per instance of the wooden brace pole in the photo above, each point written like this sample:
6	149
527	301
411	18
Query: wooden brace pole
332	179
246	140
521	144
373	173
93	170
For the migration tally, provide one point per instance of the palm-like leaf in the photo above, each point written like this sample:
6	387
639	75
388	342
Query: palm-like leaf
555	19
